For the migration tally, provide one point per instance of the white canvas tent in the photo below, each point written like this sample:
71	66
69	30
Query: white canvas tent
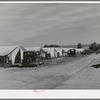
16	53
52	52
66	50
79	50
36	49
32	48
5	50
59	52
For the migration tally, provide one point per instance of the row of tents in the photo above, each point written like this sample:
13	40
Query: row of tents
14	54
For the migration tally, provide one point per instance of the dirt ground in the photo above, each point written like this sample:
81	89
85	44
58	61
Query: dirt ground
60	73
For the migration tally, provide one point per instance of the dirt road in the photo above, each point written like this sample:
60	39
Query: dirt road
76	74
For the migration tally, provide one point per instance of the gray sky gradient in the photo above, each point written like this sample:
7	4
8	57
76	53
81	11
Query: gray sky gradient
40	24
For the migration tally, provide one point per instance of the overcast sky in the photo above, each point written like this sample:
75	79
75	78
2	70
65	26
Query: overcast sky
40	24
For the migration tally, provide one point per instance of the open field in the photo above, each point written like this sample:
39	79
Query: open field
61	73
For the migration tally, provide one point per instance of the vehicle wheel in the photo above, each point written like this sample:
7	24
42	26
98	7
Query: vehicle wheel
28	59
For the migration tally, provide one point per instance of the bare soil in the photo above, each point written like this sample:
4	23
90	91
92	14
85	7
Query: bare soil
60	73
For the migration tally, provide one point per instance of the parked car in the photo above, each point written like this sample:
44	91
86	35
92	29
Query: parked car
71	53
31	58
85	52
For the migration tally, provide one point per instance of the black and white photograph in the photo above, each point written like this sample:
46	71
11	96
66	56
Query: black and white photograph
49	46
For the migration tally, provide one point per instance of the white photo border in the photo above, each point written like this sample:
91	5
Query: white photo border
50	94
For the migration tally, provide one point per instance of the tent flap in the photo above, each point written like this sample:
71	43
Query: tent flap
12	55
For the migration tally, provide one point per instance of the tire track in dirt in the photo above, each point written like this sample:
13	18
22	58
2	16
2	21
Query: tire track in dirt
52	76
64	73
86	69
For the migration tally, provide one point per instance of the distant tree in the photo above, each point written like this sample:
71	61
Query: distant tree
93	46
51	45
45	45
79	45
98	46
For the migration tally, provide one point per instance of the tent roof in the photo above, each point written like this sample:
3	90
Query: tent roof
32	48
48	49
65	49
5	50
22	48
12	55
58	49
